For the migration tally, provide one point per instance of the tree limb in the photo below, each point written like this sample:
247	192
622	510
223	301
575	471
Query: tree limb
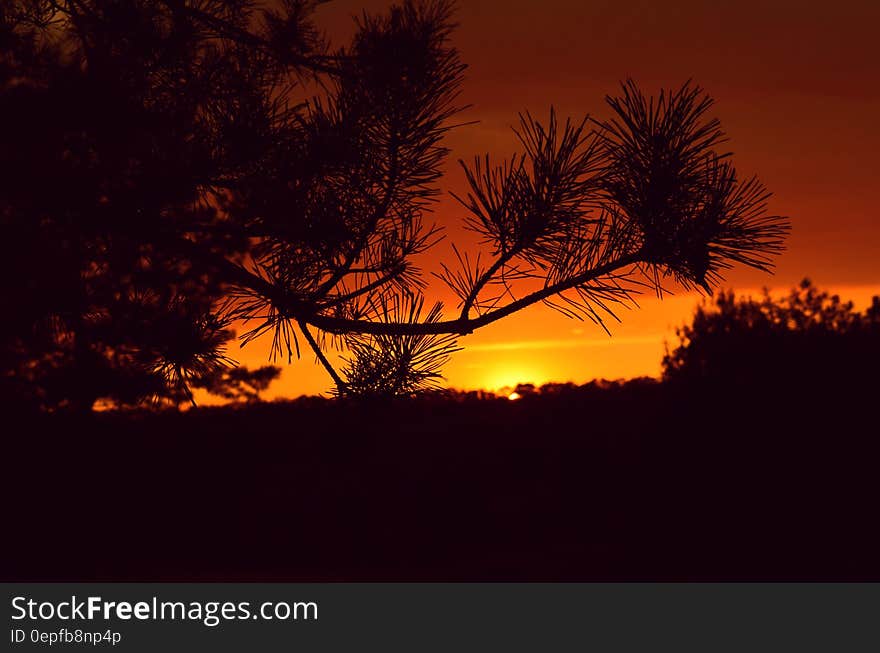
467	325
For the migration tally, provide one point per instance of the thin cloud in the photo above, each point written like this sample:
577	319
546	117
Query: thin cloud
563	344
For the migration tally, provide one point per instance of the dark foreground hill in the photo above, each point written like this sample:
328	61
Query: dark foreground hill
639	481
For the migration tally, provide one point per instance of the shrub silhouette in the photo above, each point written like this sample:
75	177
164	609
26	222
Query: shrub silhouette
808	338
173	167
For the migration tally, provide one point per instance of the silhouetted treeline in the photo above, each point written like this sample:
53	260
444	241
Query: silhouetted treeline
633	481
749	469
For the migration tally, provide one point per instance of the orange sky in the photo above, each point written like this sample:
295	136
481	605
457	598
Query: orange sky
797	87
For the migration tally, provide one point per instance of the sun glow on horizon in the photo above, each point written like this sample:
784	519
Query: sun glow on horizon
536	346
506	375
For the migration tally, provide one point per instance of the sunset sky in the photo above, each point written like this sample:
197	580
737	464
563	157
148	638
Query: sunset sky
797	89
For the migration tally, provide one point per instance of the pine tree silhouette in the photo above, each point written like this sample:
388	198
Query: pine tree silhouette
172	167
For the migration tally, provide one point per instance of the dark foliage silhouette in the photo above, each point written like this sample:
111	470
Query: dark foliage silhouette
800	340
174	166
608	481
734	467
238	383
